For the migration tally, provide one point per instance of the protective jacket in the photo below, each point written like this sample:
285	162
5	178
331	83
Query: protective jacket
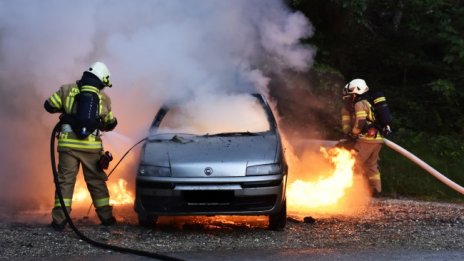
63	101
357	119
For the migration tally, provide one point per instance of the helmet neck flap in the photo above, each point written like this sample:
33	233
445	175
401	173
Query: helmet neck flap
90	79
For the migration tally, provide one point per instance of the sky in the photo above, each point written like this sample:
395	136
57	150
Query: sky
157	52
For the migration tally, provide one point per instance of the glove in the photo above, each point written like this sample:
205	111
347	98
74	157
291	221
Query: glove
49	108
104	161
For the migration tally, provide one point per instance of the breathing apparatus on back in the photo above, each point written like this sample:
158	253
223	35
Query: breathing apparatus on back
86	119
382	112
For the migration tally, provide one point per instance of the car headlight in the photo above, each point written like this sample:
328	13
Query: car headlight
267	169
157	171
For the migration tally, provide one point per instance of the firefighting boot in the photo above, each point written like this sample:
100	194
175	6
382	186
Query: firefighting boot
375	193
106	215
108	222
375	185
58	226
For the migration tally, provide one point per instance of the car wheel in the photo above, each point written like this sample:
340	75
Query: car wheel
147	221
278	220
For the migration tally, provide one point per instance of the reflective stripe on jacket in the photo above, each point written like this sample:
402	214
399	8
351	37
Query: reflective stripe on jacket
63	100
356	121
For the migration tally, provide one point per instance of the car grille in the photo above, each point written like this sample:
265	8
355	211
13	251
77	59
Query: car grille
208	201
155	185
169	185
262	184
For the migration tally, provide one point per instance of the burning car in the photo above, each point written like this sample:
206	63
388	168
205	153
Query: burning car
221	157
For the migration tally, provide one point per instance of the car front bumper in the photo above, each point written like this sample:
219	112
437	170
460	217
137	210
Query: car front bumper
251	195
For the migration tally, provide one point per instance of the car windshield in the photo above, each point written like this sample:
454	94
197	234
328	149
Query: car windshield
215	115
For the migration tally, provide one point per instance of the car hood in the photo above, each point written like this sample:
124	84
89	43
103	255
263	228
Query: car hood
215	156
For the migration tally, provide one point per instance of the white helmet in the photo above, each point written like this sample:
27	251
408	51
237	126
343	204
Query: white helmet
356	86
100	70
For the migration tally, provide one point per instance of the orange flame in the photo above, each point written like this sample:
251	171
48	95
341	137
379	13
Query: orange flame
81	194
119	195
306	195
330	191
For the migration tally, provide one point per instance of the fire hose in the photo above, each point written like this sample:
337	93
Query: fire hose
424	165
55	131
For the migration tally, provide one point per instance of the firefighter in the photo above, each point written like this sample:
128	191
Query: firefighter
75	149
358	125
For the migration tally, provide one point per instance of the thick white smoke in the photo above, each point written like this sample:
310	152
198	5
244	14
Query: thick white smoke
156	51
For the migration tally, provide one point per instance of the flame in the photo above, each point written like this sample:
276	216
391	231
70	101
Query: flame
119	194
81	194
329	191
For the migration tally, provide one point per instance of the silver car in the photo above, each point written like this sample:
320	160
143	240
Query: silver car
203	160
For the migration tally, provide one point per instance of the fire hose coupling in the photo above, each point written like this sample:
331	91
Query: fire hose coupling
104	161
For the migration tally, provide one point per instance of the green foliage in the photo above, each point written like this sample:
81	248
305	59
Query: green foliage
443	88
401	177
357	8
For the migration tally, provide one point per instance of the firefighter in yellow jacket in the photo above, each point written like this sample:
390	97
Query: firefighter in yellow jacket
358	125
79	141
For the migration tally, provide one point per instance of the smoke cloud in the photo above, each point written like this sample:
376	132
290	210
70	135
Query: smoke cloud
157	51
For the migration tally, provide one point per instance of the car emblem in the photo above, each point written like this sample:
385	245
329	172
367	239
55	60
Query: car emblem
208	171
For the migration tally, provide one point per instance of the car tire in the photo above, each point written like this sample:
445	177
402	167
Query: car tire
148	221
278	220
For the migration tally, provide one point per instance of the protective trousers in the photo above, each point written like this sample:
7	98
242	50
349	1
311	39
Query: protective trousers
367	160
68	167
